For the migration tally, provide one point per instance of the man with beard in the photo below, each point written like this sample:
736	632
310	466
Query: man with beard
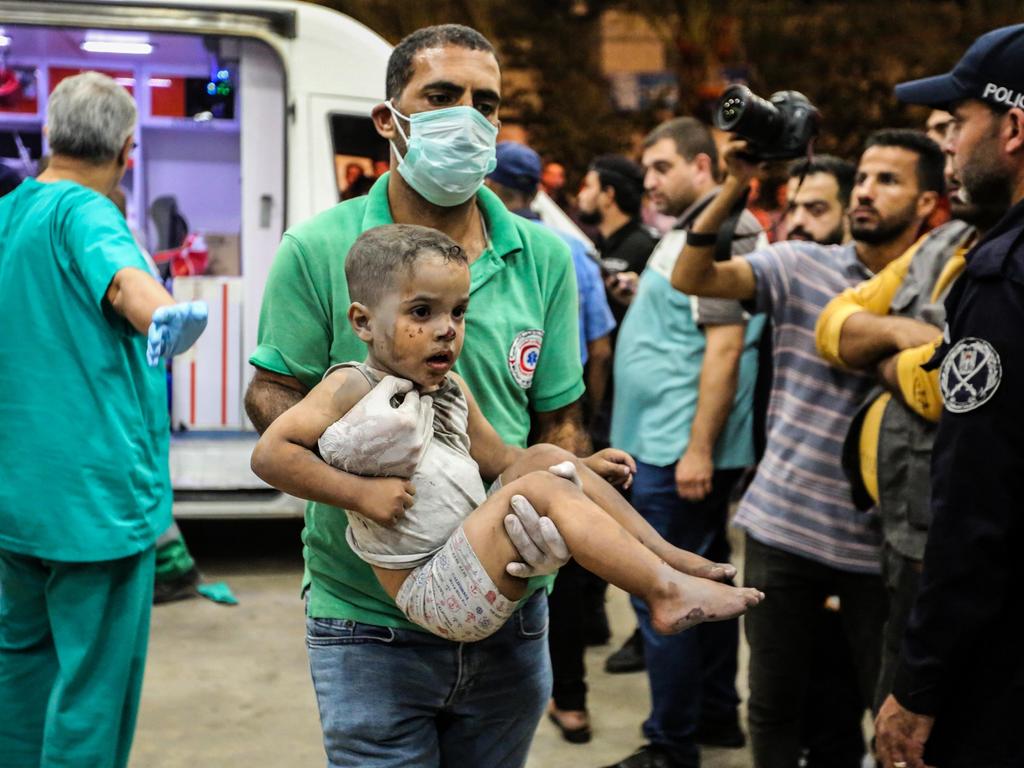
960	677
872	328
817	195
388	693
684	375
610	199
805	538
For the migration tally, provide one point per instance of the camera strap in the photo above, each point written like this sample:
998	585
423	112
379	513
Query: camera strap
726	232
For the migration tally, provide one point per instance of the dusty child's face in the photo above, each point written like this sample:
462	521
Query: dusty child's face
418	328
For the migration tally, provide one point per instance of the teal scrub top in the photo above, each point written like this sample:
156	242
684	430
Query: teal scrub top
85	427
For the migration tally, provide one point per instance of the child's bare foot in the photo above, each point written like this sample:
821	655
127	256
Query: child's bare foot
694	565
686	601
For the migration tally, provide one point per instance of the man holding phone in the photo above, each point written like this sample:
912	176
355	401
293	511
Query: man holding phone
609	199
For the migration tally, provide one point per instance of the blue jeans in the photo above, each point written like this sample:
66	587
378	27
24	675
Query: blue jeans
693	674
404	698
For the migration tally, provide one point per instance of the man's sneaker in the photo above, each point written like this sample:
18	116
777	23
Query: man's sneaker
179	588
629	658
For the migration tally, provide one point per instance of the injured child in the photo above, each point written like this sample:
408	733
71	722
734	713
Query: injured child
408	427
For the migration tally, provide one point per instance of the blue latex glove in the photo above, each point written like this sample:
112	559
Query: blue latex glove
174	329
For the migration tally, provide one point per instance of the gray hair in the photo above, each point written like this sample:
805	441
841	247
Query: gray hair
89	117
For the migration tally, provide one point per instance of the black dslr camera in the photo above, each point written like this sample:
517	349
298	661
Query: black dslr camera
777	129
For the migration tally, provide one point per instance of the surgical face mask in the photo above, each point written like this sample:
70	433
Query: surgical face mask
448	153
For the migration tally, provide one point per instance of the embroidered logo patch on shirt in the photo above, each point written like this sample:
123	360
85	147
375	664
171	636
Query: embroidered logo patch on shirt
970	375
523	356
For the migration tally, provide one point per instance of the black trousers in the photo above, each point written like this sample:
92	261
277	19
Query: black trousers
569	602
781	633
902	579
832	727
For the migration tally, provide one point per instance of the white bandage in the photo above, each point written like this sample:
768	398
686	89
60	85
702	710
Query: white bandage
452	596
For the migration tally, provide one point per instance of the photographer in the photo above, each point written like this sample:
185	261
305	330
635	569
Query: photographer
805	539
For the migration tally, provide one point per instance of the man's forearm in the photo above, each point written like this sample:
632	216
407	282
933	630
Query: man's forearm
267	399
598	370
696	272
136	295
716	391
299	472
564	428
866	338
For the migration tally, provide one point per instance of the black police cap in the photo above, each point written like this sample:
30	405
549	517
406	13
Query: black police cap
992	70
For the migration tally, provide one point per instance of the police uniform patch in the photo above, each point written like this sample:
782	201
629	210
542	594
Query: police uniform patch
969	375
523	356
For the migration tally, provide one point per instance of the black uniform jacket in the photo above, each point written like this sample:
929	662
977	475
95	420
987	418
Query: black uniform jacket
963	652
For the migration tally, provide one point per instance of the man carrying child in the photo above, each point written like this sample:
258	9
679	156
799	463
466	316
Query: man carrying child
378	677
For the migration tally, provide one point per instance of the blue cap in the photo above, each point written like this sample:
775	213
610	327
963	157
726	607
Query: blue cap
518	167
992	70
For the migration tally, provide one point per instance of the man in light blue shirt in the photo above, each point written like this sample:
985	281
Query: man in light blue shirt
684	380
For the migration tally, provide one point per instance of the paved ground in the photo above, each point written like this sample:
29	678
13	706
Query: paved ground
229	686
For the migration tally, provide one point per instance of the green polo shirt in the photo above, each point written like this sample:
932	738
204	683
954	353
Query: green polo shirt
521	354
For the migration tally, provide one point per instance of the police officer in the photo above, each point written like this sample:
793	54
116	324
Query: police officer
960	681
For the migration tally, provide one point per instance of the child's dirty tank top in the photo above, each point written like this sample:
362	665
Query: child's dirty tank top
447	480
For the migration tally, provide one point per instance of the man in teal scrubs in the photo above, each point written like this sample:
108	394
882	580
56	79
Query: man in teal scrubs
84	482
389	693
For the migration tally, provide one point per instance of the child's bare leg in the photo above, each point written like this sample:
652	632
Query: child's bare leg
600	545
540	457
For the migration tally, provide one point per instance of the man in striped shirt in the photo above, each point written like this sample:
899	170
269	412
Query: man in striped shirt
805	539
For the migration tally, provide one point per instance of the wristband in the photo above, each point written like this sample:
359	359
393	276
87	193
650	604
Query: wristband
701	239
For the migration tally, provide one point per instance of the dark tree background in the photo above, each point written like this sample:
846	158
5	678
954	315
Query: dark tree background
845	56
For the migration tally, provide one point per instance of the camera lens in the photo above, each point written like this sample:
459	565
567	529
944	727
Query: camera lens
753	118
729	112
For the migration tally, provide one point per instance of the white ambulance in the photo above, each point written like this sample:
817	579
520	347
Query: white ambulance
253	115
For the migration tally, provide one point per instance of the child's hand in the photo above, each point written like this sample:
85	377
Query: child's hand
615	466
385	500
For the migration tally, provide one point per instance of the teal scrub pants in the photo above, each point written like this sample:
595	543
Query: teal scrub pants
73	642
